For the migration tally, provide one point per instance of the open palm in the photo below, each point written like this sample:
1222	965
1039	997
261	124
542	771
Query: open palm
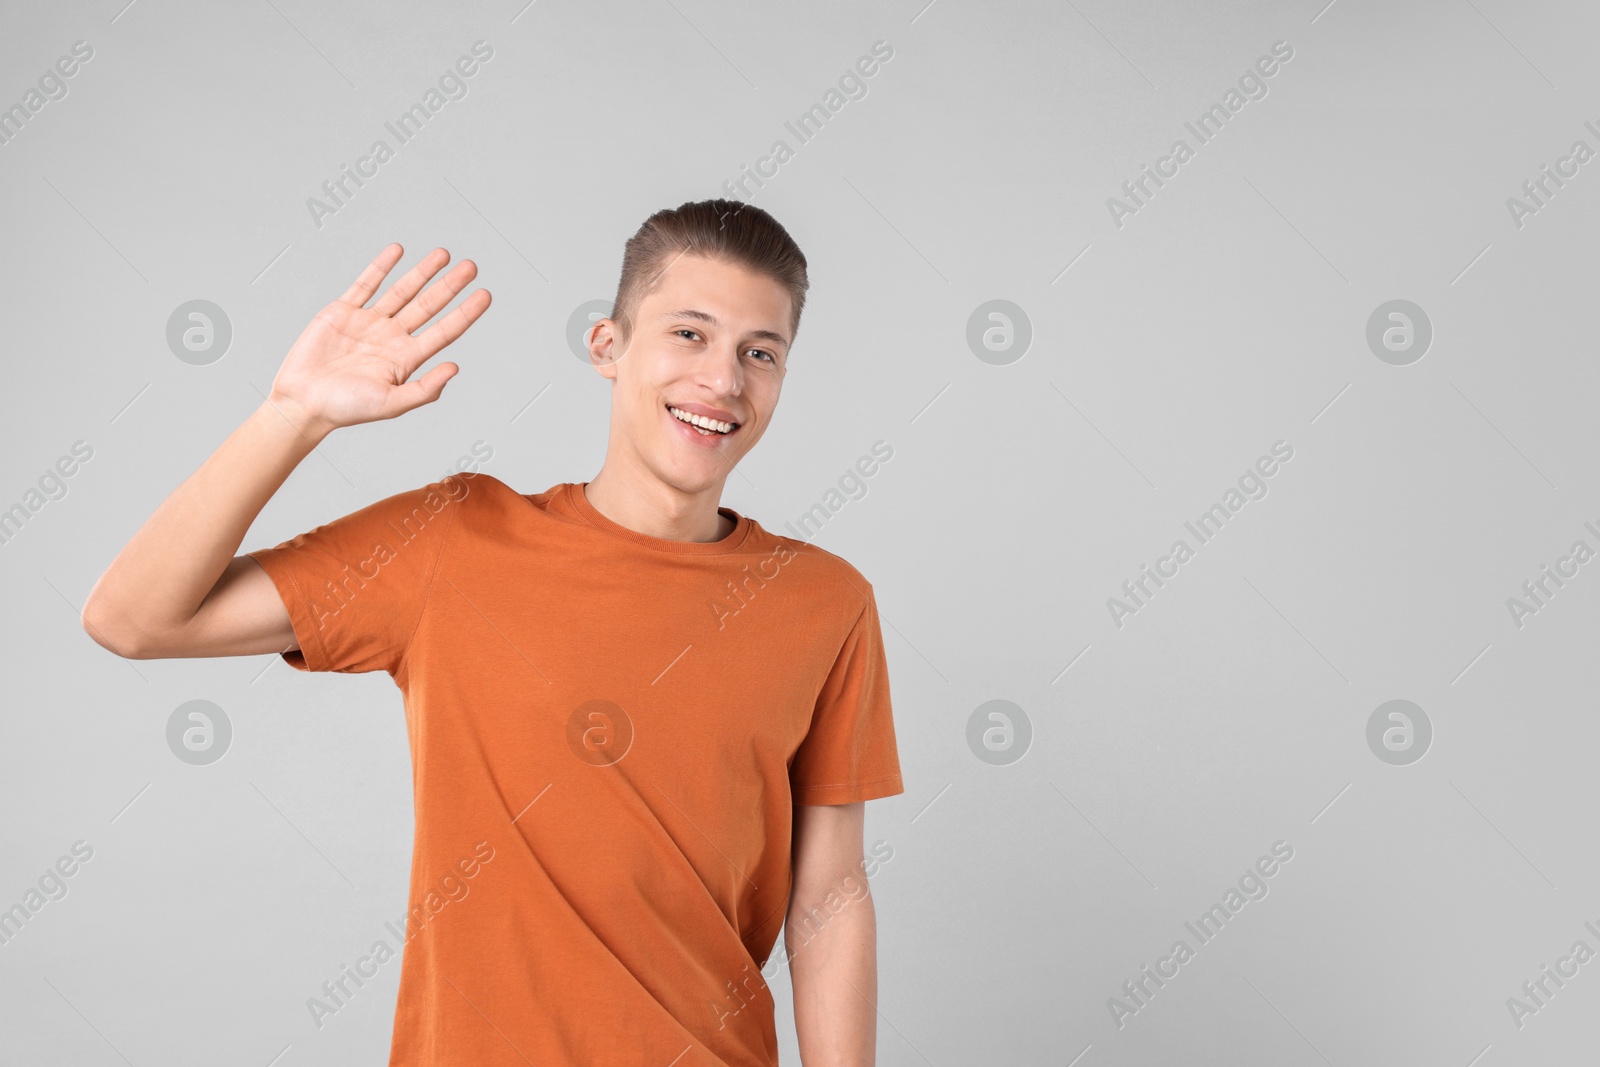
353	364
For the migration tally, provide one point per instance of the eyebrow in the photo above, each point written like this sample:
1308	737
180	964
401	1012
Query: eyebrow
711	320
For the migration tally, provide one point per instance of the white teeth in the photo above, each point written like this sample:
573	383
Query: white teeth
700	422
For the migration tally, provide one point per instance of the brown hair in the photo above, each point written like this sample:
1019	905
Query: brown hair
725	230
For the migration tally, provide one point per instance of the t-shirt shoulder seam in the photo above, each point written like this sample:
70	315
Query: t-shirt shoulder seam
848	572
860	614
433	578
805	546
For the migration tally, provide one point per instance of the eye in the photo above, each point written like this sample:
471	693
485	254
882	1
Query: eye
770	357
686	330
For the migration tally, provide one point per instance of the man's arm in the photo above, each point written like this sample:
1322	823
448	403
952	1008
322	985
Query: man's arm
830	935
176	588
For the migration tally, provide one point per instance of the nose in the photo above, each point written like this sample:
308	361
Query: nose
720	371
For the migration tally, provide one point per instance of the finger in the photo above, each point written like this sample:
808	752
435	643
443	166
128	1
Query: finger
419	391
367	284
411	281
453	325
436	296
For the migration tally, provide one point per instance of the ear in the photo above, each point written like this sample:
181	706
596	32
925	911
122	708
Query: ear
605	348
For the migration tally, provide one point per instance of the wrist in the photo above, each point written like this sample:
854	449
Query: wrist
285	410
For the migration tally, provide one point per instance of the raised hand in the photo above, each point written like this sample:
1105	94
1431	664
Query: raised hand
352	363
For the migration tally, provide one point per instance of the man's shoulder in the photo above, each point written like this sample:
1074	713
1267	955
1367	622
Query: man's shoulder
451	492
480	490
445	498
462	485
492	506
828	574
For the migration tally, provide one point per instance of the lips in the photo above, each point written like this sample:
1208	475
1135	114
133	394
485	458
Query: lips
712	420
692	437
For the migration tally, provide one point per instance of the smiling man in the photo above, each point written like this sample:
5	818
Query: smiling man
707	346
657	719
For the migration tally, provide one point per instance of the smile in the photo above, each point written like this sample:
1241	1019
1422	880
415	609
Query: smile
706	427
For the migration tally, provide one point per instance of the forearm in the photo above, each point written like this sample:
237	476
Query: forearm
160	578
834	970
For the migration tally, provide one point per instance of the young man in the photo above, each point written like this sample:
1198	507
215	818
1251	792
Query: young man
642	727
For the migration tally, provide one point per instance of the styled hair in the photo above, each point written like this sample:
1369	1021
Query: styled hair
725	230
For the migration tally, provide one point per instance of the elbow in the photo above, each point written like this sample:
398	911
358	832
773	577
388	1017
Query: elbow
109	633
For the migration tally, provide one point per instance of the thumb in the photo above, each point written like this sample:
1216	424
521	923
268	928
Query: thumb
423	390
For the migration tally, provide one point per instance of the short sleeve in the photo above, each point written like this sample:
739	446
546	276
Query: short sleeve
849	752
355	587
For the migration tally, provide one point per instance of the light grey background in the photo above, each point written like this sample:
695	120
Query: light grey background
1168	354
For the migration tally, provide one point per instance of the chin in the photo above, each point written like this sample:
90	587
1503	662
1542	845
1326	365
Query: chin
690	481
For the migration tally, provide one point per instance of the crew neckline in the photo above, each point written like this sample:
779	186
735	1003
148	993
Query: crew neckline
590	514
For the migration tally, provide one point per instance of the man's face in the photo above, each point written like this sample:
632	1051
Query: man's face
712	340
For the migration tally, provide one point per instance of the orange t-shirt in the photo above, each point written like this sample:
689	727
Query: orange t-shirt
608	732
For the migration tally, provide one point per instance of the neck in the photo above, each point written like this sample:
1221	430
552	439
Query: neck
656	509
